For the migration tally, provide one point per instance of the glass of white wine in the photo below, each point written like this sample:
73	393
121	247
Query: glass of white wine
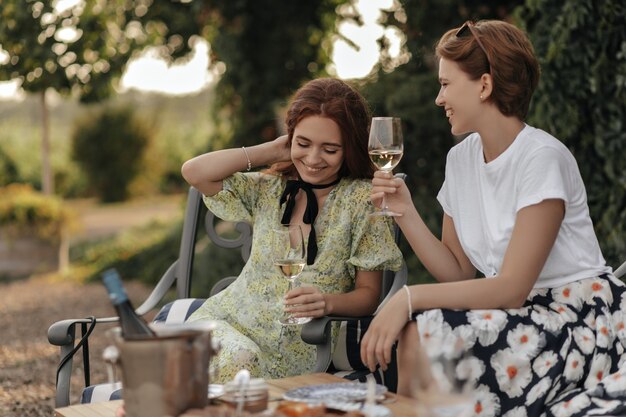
385	148
289	253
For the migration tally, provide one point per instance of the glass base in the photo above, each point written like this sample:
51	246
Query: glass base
291	321
385	213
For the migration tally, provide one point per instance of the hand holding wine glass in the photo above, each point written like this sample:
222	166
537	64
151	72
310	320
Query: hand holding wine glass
385	148
289	253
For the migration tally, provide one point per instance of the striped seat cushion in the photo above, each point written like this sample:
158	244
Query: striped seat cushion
101	392
346	360
178	311
175	312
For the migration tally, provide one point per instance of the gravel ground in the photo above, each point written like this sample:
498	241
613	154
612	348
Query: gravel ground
27	361
28	307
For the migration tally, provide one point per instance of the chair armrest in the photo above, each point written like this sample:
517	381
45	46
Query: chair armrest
63	334
317	332
159	291
400	279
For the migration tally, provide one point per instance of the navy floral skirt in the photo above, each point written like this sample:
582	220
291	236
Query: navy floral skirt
561	354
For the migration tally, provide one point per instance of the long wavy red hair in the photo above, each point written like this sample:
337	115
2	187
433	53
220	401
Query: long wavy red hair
338	101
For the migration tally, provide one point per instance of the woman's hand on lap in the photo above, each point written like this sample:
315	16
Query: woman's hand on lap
383	332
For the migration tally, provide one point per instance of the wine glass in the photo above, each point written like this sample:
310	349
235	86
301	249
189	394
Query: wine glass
289	253
385	149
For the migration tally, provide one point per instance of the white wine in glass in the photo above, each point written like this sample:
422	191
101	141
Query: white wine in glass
385	148
289	253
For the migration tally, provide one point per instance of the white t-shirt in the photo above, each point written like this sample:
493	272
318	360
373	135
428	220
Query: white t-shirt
483	200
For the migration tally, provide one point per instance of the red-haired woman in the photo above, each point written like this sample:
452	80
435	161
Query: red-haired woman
320	178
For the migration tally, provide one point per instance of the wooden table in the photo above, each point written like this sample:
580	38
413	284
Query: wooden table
400	406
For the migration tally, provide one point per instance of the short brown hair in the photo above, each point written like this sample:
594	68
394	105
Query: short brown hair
338	101
508	56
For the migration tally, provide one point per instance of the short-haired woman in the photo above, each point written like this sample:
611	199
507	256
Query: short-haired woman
545	325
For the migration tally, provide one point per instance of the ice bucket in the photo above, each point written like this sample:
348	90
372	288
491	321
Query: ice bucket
168	374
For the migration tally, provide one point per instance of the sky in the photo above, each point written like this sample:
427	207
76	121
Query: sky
149	73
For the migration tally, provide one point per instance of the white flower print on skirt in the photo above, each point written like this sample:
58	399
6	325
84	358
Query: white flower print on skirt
558	355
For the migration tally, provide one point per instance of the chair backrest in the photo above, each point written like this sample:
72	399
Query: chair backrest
199	219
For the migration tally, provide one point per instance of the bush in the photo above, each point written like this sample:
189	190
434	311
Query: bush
142	253
145	254
23	209
110	145
8	169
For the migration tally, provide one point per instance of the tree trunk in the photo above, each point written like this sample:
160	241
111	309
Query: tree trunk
47	179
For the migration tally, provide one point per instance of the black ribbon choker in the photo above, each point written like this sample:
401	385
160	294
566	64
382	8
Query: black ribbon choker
310	213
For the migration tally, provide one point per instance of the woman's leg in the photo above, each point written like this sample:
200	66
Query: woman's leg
237	352
414	372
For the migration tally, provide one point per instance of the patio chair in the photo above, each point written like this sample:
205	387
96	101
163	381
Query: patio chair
344	360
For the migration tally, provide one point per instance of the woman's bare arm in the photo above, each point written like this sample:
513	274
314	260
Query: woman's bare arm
445	258
536	229
362	301
207	171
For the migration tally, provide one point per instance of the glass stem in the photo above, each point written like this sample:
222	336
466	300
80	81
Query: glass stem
289	288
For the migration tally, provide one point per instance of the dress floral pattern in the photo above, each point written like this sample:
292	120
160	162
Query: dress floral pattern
561	354
247	311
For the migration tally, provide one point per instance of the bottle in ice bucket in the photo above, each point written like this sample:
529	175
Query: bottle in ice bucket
132	325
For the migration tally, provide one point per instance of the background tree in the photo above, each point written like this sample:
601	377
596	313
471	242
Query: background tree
582	100
409	92
263	50
47	48
80	51
112	168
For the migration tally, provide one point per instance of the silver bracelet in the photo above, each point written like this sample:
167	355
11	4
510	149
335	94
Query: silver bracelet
247	158
408	300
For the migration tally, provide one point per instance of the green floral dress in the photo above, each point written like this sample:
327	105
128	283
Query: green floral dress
247	312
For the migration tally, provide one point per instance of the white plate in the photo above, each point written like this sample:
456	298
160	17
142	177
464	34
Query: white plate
338	392
215	390
368	410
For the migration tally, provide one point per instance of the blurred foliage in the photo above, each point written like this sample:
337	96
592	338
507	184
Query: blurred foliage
582	100
409	92
8	168
142	253
24	211
263	50
81	50
110	145
145	253
269	49
181	130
